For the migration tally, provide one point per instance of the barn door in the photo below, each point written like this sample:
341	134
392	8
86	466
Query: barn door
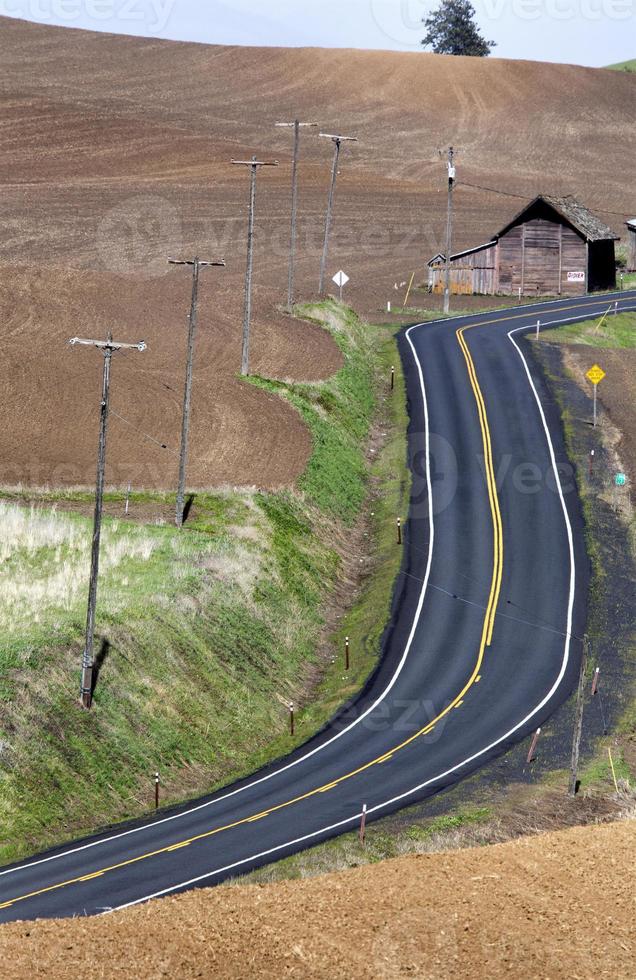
542	258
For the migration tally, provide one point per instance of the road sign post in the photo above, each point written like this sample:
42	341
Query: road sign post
595	375
620	482
341	279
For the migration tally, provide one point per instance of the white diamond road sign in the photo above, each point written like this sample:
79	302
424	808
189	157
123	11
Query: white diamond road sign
341	278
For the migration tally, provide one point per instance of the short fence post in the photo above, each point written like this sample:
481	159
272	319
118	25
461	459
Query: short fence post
533	746
363	824
595	681
399	531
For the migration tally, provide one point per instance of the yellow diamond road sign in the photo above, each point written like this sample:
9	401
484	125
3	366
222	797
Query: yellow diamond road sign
596	374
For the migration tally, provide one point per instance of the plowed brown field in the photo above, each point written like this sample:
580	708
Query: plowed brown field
114	155
556	905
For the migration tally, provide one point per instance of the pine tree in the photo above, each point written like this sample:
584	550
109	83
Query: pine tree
451	29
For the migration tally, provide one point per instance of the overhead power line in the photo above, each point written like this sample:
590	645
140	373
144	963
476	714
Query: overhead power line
524	197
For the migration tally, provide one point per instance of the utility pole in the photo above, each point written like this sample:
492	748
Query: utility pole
296	125
578	723
196	265
337	142
449	227
253	164
107	347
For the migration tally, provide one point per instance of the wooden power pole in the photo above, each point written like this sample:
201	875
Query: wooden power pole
108	347
449	228
296	125
578	723
253	164
337	141
196	265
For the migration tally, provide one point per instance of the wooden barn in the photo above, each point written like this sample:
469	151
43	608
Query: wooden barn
631	245
472	271
553	247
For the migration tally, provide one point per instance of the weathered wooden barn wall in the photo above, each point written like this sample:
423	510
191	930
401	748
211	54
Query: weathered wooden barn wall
631	246
541	257
473	273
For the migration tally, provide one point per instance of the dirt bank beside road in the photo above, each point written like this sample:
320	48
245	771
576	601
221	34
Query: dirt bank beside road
556	905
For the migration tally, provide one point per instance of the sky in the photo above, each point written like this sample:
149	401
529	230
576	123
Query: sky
587	32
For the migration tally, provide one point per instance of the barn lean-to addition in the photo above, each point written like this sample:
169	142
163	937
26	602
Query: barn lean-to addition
553	247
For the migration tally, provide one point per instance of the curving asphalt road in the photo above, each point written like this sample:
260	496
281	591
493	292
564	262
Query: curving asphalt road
483	645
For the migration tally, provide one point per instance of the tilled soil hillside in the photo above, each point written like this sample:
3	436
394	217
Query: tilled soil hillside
115	154
557	905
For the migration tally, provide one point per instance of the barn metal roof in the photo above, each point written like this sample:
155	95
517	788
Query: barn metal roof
460	255
587	224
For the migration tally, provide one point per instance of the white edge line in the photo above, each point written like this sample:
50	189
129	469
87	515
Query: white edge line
400	667
319	748
476	755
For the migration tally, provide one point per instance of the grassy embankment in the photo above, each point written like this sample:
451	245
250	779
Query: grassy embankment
202	635
614	332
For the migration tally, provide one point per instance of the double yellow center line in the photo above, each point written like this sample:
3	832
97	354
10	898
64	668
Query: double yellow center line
495	589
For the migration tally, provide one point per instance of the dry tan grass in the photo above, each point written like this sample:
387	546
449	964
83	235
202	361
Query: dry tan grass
45	561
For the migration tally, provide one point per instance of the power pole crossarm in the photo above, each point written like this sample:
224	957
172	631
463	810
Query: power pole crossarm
197	264
296	125
337	141
107	344
254	165
108	348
